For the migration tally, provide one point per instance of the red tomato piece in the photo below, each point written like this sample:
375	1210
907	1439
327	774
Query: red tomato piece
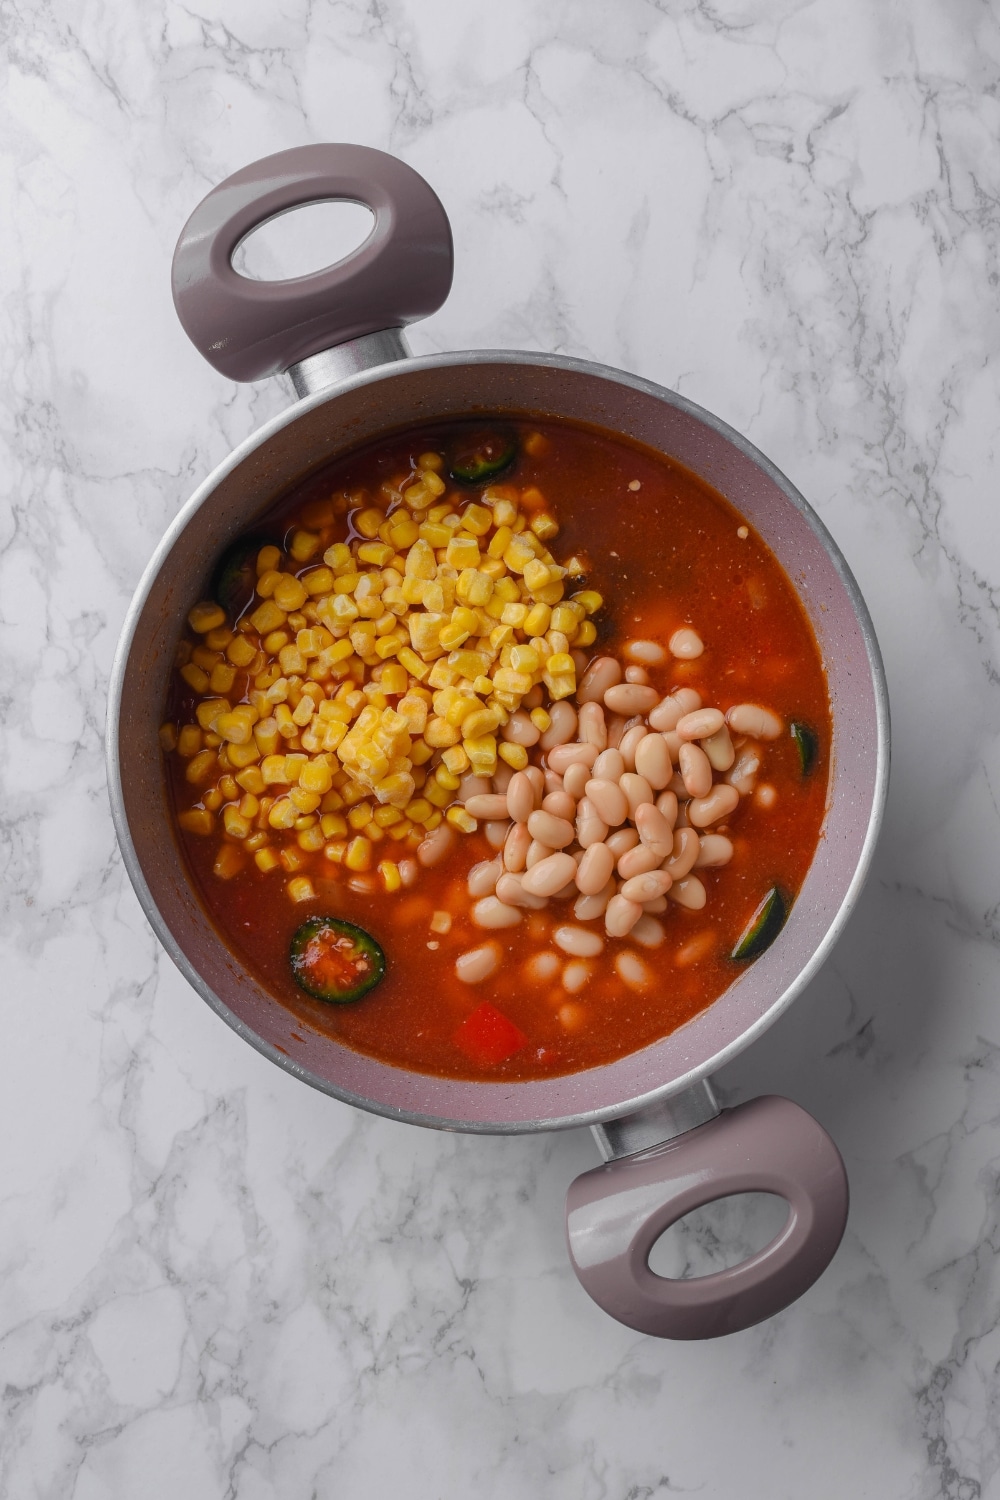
487	1036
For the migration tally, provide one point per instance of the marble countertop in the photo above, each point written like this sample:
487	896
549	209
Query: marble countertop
216	1282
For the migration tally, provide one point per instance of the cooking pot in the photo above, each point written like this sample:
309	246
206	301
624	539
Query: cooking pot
667	1147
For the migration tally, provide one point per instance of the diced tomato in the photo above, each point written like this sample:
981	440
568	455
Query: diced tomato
488	1037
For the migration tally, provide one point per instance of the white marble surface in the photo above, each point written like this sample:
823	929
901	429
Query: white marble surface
215	1282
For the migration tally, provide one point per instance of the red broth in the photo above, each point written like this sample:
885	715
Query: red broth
664	550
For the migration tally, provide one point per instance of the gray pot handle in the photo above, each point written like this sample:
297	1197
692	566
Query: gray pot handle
616	1213
248	329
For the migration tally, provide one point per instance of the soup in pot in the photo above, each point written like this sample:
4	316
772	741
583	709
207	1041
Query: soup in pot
499	748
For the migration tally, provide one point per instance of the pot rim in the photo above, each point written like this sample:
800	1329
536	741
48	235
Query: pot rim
455	359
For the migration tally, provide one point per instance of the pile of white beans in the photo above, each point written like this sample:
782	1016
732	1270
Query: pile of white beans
624	810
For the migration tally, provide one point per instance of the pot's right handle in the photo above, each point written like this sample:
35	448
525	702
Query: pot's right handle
616	1213
248	329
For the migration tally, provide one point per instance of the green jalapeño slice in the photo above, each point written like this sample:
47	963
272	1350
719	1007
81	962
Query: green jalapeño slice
763	927
481	456
335	961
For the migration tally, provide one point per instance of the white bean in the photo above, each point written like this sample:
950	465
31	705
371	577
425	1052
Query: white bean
608	800
574	977
629	744
616	728
590	828
753	719
501	778
765	796
575	779
491	912
621	916
603	672
537	851
550	830
478	964
689	893
655	830
472	786
638	860
521	799
696	771
720	802
687	847
744	773
542	966
648	931
439	842
647	887
536	776
621	841
656	906
591	725
686	643
632	971
666	803
409	872
637	674
716	850
482	878
549	875
719	749
588	908
637	791
519	730
595	869
516	845
580	942
487	805
563	756
512	893
609	766
562	727
652	760
630	698
671	709
701	724
496	833
566	892
649	652
560	804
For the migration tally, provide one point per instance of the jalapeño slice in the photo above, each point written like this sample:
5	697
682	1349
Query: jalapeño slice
806	744
763	927
236	576
334	960
481	456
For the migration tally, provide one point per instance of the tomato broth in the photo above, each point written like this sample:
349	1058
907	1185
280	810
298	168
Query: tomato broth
663	550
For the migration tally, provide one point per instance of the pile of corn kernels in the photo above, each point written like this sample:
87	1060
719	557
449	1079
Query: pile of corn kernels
348	707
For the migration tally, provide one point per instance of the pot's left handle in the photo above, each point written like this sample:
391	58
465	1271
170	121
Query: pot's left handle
248	329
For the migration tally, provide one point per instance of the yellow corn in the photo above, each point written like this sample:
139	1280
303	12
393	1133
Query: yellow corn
301	888
460	819
206	616
196	820
514	755
359	855
391	879
266	860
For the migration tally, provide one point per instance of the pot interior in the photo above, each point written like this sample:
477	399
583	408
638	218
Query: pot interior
414	391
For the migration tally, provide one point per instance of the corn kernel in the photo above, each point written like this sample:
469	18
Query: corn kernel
195	677
240	652
418	810
541	719
282	814
460	819
359	815
336	851
536	621
316	777
200	767
420	752
392	881
367	522
514	755
304	545
463	552
333	825
228	862
311	839
289	594
234	822
189	741
438	794
267	617
446	778
196	820
456	760
266	860
206	616
586	634
441	922
359	854
301	888
268	558
375	552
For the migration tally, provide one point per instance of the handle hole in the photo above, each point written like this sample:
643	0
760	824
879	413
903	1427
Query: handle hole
718	1236
306	239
